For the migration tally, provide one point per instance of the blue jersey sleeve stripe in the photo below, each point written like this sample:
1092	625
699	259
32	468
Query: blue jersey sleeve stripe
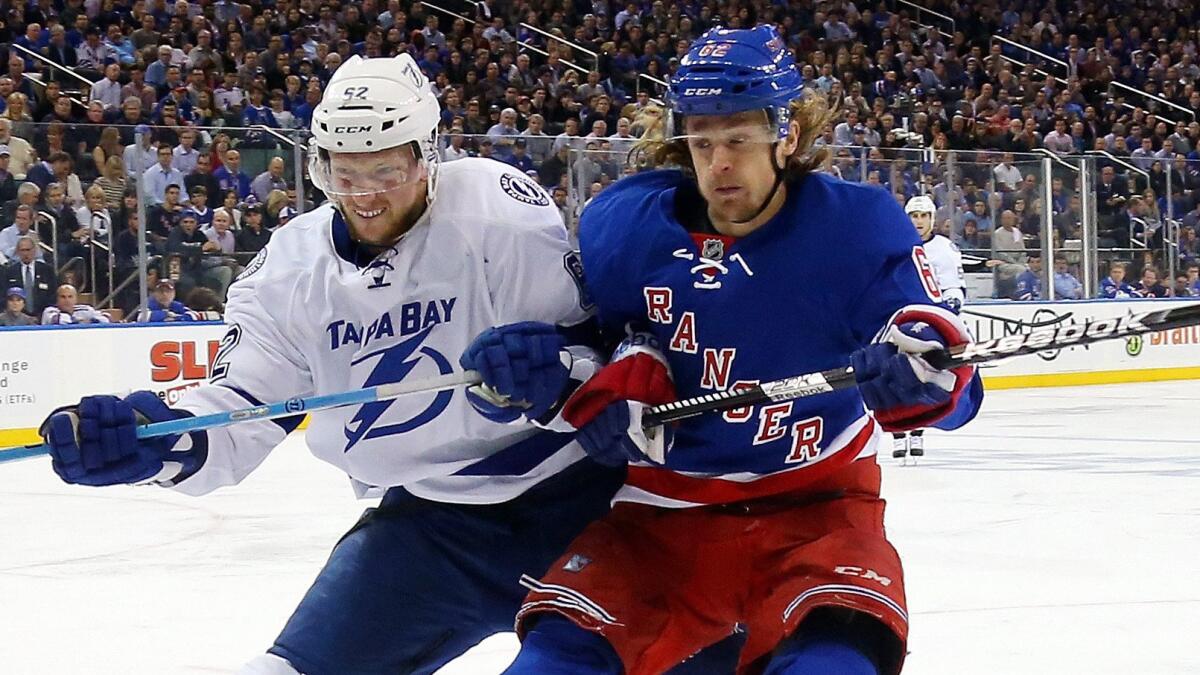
519	458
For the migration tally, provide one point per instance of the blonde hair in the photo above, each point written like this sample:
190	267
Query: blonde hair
276	200
810	112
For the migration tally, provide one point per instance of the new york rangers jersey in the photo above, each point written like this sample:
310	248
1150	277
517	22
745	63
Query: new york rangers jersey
312	314
797	295
946	261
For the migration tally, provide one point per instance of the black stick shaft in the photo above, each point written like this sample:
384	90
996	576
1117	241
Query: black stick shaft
1037	340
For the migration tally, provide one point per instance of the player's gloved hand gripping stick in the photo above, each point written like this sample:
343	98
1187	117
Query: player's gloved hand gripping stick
799	386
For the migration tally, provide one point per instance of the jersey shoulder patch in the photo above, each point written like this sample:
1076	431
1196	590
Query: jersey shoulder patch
524	189
255	265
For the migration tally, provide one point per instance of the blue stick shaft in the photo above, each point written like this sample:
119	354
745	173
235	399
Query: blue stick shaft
288	408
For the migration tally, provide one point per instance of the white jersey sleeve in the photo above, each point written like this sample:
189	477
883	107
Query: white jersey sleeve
946	261
257	362
313	316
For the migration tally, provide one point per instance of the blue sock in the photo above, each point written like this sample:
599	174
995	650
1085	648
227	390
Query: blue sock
820	656
555	646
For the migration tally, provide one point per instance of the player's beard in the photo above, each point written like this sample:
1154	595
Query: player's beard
381	219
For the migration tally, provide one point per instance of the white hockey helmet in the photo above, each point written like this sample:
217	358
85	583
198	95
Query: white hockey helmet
372	105
920	204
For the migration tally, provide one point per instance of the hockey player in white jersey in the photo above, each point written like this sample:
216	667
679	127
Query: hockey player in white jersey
402	272
946	261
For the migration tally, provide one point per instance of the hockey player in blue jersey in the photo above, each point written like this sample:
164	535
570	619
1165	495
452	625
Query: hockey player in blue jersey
746	265
396	278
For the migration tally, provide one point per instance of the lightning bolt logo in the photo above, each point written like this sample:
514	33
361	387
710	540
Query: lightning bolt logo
395	363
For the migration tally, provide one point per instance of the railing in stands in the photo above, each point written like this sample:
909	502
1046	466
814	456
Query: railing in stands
1068	70
524	45
573	46
937	15
1056	158
58	67
1117	160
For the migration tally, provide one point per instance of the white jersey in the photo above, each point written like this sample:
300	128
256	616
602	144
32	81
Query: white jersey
946	261
309	320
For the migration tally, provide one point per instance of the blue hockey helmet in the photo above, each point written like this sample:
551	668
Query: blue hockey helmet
728	71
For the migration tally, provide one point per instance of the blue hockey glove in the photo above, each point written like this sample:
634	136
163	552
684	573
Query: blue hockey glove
902	389
524	367
95	442
615	436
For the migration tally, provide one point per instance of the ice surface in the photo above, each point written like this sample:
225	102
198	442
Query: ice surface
1058	533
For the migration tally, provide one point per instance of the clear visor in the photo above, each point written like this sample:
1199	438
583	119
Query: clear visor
362	174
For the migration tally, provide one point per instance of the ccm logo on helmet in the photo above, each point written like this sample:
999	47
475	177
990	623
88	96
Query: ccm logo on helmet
702	91
351	130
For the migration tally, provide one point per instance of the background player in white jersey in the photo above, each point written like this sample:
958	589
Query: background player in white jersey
946	261
393	279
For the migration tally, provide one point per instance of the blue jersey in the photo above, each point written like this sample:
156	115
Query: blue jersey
1113	289
1029	286
799	294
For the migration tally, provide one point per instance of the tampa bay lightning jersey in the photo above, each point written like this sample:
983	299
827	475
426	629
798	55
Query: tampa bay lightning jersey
312	315
799	294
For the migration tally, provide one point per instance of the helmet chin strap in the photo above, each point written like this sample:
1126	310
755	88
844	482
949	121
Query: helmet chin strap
779	174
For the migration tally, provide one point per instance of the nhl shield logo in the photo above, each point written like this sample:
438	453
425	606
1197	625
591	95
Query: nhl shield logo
713	249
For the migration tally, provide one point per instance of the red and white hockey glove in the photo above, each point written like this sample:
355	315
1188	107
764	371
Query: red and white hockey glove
607	410
902	389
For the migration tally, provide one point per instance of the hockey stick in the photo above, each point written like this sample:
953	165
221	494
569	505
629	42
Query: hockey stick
1020	323
1041	339
288	408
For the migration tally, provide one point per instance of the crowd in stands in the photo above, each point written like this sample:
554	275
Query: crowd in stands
192	104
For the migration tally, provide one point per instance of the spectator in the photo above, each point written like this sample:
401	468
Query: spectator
198	203
94	217
1008	177
254	235
156	73
230	176
8	184
108	90
162	306
520	160
14	309
156	179
1066	286
1059	141
1029	283
67	310
43	173
22	226
502	134
201	176
220	232
164	218
141	154
271	179
1182	288
196	267
32	275
1149	286
457	148
1114	286
113	182
229	203
185	155
138	88
537	143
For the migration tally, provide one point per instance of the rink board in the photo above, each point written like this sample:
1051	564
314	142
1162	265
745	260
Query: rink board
45	367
